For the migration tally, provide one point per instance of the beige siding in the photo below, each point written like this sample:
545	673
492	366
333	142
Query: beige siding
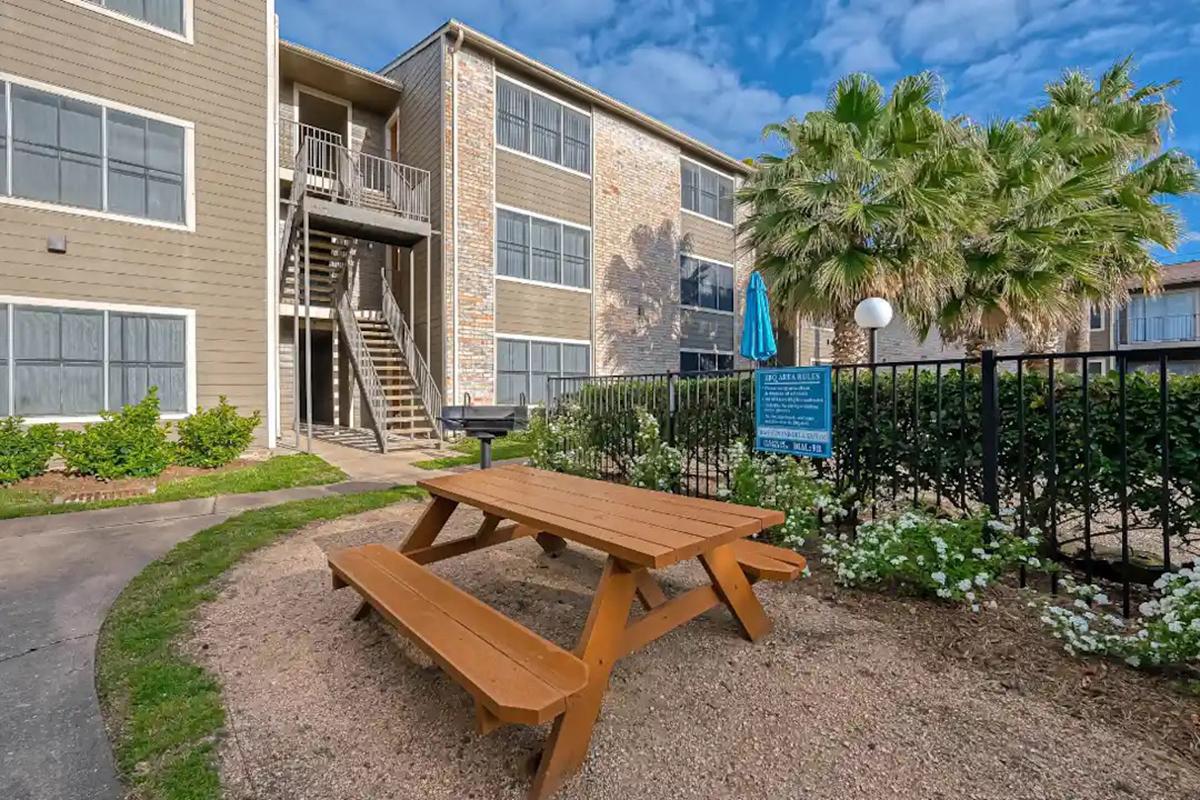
219	84
702	330
533	186
706	238
422	128
529	310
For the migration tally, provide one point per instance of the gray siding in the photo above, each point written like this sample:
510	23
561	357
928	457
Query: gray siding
533	186
219	84
529	310
706	238
422	121
702	330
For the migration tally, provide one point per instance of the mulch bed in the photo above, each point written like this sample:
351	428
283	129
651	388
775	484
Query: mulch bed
66	488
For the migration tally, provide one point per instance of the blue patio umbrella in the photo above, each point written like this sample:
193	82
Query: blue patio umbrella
758	339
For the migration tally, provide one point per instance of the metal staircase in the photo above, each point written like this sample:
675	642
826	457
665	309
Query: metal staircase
400	396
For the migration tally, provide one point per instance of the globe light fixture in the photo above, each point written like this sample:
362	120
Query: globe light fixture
871	315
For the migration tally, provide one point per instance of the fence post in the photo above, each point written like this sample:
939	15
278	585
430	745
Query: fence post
990	420
671	408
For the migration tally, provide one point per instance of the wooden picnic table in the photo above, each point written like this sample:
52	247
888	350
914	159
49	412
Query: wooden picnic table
515	675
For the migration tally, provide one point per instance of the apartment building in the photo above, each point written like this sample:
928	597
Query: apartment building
485	222
189	203
135	227
1152	321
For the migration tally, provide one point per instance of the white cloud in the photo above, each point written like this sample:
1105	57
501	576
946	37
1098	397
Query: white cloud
953	31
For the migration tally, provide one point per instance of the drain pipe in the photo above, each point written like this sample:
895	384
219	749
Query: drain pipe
454	48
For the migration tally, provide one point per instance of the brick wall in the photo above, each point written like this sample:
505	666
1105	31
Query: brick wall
636	249
475	338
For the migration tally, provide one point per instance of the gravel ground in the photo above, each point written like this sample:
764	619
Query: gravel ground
852	696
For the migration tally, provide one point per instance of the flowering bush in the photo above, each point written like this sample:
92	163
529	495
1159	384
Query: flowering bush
788	485
657	464
561	443
948	558
1166	634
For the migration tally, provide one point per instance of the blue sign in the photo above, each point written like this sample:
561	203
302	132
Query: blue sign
793	411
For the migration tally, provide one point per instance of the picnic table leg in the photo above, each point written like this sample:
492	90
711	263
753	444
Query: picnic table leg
734	589
649	592
426	529
599	647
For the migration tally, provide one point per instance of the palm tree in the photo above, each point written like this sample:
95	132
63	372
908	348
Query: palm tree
1075	203
869	199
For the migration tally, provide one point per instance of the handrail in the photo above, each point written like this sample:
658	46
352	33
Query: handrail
431	396
361	179
364	368
299	183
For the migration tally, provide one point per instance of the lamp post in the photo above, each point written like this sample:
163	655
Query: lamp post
871	315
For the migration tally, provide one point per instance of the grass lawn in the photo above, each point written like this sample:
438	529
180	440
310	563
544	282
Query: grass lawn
280	472
515	445
164	711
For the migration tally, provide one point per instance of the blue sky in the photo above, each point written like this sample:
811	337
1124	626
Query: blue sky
721	70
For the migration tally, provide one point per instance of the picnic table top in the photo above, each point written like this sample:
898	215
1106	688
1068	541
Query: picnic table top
639	526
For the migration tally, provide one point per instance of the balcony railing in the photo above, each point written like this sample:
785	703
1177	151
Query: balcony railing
333	170
1168	328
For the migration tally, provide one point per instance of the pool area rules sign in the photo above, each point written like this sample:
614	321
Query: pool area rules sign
793	411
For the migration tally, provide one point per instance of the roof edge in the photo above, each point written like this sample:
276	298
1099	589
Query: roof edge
338	63
498	48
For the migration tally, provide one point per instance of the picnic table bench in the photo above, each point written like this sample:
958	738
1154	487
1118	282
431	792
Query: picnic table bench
516	676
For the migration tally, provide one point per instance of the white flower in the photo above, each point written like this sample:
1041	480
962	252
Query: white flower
970	596
1133	661
939	578
981	580
964	585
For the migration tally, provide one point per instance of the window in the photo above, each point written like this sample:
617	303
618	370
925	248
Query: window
530	122
523	368
80	154
1168	317
1095	367
1096	317
60	360
542	250
165	14
703	284
695	361
706	192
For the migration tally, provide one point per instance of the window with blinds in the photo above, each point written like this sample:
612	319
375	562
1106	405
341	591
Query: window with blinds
165	14
523	368
706	192
71	362
78	154
542	250
537	125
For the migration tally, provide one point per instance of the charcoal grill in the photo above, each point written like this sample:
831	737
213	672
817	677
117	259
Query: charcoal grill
485	423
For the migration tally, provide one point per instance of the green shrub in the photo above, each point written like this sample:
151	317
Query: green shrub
948	558
789	485
561	444
214	437
130	443
657	464
25	453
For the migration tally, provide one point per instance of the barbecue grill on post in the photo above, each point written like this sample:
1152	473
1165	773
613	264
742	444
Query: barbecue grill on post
485	423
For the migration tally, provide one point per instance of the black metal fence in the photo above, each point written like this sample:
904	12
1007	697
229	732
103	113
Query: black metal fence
1097	452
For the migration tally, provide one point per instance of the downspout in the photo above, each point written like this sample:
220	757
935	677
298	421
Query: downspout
454	48
272	188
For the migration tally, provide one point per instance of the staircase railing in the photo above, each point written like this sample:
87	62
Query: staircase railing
431	396
364	368
299	183
360	179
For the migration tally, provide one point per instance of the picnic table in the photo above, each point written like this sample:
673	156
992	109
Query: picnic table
515	675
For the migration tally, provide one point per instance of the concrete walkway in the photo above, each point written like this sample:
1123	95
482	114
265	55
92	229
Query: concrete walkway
58	576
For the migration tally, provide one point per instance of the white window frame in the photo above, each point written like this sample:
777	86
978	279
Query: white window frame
518	337
299	89
189	20
704	309
7	80
562	128
697	214
711	351
1093	308
188	314
498	207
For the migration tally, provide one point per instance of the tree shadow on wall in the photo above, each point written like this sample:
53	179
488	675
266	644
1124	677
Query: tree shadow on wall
637	325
